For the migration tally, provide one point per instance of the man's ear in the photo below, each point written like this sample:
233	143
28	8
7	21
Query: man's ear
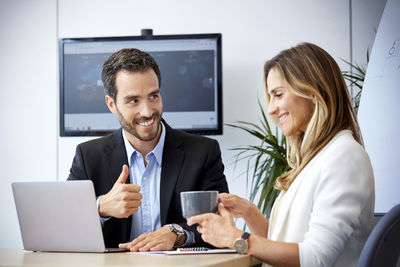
111	104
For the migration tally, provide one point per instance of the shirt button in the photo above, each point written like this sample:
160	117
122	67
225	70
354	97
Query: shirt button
144	178
145	207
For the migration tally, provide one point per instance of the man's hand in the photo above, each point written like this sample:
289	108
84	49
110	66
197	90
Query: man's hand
122	200
161	239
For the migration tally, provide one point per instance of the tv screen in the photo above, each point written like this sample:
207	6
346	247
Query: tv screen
191	82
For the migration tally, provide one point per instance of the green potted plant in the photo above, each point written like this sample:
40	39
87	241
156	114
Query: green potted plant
356	78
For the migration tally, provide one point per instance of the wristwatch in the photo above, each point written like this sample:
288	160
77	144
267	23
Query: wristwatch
176	228
240	244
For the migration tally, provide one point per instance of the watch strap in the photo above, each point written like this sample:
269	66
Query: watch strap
245	236
179	239
180	233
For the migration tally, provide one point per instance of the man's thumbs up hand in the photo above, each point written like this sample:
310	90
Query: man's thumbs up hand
122	200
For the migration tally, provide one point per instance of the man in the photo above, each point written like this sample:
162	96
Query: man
139	171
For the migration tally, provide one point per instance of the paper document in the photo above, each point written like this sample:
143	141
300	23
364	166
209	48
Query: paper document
188	251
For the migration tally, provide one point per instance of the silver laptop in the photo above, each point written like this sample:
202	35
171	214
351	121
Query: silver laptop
59	216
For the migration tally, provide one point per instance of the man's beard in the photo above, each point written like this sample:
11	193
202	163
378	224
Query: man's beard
131	127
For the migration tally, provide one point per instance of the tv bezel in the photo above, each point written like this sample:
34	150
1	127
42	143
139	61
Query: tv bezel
201	131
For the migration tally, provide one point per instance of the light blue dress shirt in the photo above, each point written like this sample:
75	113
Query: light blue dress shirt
147	219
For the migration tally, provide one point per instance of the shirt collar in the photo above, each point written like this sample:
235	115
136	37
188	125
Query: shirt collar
157	150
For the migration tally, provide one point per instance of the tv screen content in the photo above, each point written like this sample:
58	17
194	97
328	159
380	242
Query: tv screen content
191	82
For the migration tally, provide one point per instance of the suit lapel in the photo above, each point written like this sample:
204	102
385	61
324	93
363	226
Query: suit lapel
172	161
116	154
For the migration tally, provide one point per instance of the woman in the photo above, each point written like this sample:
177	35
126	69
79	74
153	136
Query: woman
324	212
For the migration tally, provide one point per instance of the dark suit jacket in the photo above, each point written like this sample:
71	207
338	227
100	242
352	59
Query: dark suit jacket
189	163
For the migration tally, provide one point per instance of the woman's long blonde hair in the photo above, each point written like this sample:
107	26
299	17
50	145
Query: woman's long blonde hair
311	71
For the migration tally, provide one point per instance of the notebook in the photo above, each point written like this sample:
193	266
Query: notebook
189	251
59	216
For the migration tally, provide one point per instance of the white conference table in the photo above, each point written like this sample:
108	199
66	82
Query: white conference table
20	257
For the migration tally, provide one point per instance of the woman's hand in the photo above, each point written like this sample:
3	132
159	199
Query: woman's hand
218	230
242	208
237	206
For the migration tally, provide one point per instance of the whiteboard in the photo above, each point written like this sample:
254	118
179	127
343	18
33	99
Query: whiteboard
379	110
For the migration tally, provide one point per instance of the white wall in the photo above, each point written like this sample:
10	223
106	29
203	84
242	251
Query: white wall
366	15
28	112
253	31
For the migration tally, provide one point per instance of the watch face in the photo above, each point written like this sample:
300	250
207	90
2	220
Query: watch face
177	227
240	245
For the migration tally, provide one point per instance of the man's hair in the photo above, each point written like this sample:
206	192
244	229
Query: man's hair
313	74
128	59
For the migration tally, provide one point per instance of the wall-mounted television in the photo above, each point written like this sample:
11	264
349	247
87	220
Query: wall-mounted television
191	87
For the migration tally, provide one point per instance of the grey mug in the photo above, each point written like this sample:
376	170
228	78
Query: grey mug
198	202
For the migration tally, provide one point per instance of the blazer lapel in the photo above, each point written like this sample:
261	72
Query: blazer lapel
116	154
172	161
284	209
280	225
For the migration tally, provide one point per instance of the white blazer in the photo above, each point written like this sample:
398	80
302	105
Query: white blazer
328	210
